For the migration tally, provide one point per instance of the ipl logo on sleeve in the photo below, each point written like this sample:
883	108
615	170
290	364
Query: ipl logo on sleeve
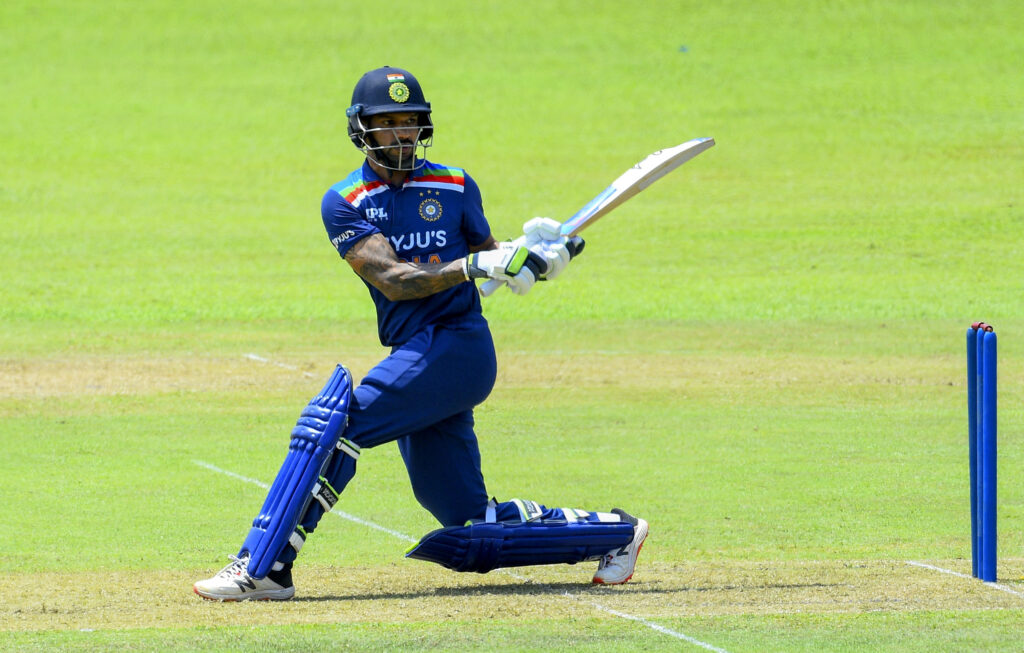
430	209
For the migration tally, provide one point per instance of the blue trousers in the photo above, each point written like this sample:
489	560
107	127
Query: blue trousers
422	395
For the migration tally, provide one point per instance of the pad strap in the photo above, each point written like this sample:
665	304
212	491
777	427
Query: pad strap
297	539
528	510
325	494
349	448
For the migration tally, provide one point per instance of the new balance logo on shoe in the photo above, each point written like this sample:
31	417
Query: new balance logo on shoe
244	583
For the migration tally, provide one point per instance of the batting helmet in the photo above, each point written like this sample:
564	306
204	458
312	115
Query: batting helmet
387	90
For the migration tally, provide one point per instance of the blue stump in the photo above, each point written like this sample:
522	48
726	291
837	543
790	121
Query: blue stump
981	412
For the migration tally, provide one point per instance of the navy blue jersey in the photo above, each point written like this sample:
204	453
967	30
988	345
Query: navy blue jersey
434	217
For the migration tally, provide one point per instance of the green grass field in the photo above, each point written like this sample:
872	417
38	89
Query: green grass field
763	354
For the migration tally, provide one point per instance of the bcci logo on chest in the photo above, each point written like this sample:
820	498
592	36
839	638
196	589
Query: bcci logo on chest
430	209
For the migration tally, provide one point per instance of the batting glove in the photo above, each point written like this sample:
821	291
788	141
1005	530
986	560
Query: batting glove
511	263
544	237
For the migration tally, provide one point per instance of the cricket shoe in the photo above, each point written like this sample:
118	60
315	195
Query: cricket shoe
616	567
233	583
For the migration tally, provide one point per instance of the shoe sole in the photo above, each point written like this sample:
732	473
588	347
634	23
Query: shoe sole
237	599
639	547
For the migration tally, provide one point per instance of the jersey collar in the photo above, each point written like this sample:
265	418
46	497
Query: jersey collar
369	174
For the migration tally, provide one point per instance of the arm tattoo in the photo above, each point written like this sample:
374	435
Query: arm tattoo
375	260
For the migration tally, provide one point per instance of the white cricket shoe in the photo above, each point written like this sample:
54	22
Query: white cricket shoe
616	567
233	583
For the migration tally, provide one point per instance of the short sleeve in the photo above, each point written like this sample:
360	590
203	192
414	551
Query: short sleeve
344	223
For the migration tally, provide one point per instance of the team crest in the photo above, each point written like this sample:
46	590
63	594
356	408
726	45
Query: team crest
399	92
430	209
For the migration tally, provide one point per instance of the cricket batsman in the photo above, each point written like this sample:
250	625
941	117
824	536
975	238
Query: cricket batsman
414	232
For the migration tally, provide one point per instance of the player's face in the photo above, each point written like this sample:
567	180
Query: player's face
397	133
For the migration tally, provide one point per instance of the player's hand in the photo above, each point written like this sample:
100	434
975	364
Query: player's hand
539	229
511	263
555	253
522	282
544	237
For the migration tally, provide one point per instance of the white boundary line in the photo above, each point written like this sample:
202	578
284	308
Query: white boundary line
407	538
623	615
996	586
339	513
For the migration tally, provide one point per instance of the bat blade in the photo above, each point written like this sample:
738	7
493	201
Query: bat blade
634	180
651	169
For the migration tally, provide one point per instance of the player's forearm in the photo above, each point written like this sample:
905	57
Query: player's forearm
417	280
375	260
400	280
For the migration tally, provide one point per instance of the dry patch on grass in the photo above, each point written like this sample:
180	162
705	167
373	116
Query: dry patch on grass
682	370
140	375
97	375
413	592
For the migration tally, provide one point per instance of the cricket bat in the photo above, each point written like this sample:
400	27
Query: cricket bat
629	184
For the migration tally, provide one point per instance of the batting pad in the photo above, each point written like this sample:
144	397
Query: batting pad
483	546
315	437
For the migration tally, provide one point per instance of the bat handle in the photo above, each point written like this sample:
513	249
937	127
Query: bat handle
575	246
488	287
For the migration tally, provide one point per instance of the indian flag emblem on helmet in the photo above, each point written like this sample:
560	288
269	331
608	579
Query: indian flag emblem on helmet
396	77
398	91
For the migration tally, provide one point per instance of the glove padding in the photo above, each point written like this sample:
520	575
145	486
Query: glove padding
511	263
543	237
538	229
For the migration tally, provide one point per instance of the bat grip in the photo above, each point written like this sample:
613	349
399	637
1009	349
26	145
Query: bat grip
488	287
575	246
